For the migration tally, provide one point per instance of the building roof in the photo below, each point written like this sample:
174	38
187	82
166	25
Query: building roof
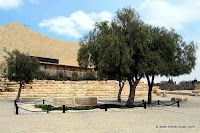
16	36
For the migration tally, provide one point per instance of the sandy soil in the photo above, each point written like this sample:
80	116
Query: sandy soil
185	119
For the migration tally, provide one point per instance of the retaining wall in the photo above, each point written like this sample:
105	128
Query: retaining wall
53	89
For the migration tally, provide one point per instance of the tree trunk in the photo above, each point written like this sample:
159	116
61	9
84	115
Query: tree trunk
150	94
19	92
150	86
121	86
133	86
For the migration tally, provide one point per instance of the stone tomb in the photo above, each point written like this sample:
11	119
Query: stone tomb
76	101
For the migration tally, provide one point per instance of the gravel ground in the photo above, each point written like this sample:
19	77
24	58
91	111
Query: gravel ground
185	119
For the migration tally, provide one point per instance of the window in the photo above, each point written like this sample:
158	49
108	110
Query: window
48	60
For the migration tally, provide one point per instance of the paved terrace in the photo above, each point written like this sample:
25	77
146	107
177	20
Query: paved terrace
137	120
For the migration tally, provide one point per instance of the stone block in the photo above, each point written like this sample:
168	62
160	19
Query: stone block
155	88
158	93
86	101
192	94
154	91
63	101
197	87
164	94
179	99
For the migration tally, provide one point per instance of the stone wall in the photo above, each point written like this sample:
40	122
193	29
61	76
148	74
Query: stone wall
197	87
53	89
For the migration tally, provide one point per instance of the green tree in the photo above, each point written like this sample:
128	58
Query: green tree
166	54
21	68
116	49
103	43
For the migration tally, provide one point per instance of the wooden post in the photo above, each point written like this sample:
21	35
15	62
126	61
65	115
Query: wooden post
16	107
145	105
63	108
15	102
17	110
178	104
143	101
105	107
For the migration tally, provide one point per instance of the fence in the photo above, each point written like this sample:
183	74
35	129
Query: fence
22	103
142	103
161	103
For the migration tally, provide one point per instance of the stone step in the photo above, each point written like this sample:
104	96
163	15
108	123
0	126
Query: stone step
70	92
69	88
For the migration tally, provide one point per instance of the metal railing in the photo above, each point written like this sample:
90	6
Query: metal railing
159	103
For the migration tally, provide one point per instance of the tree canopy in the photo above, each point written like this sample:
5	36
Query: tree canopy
115	49
127	47
167	54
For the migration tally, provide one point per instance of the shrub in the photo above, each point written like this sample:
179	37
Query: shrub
4	69
75	76
42	75
89	76
61	76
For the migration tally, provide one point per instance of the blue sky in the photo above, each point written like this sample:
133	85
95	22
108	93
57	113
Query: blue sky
71	19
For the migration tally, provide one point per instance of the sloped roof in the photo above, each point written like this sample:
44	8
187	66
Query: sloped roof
16	36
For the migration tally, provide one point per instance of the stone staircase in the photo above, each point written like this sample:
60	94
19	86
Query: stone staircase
60	89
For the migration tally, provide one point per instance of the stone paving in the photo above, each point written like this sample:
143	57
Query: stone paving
185	119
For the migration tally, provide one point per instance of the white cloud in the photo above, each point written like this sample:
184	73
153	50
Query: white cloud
8	4
163	13
76	23
61	25
5	4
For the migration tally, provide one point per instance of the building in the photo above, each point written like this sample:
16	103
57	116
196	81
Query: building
54	55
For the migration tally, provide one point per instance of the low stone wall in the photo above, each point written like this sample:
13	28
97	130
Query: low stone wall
185	92
53	89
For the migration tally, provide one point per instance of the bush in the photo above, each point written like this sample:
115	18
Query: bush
61	76
50	107
4	69
42	75
89	76
168	86
75	76
183	85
